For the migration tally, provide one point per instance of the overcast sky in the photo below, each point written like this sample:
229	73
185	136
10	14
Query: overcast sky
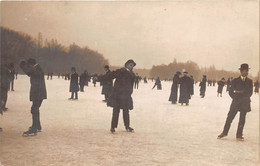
225	34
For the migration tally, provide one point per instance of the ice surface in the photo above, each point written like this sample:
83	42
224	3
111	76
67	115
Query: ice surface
77	132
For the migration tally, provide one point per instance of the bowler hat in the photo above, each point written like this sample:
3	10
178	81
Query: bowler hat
130	61
106	66
178	72
244	66
185	72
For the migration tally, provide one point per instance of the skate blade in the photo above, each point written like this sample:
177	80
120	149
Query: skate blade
29	135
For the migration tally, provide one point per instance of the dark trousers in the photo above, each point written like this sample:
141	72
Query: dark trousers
115	117
81	87
4	92
76	95
35	110
12	84
231	115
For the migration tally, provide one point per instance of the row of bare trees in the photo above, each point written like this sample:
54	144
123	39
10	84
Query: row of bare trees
52	56
57	58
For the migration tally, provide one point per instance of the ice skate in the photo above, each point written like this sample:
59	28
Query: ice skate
221	136
5	109
240	138
129	129
112	130
38	129
30	132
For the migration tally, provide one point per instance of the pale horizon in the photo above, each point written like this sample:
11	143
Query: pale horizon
223	34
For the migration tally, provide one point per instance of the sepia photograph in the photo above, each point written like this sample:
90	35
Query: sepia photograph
130	83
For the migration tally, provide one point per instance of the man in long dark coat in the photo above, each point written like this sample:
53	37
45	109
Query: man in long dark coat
174	88
107	85
221	84
228	84
37	92
240	91
74	86
121	94
82	80
203	86
185	89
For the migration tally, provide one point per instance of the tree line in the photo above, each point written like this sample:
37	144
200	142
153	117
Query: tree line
52	56
57	58
167	71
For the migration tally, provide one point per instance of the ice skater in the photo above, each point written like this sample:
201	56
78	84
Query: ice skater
5	84
94	79
12	76
16	74
82	80
221	84
240	91
37	93
174	89
185	89
203	86
137	79
121	94
107	85
228	84
74	86
158	84
145	80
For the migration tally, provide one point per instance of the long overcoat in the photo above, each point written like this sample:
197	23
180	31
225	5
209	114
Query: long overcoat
203	86
122	90
241	101
185	89
38	88
220	86
174	89
107	85
74	79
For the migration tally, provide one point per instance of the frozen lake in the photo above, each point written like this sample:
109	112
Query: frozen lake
76	133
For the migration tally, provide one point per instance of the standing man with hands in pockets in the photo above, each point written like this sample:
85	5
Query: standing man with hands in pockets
240	91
